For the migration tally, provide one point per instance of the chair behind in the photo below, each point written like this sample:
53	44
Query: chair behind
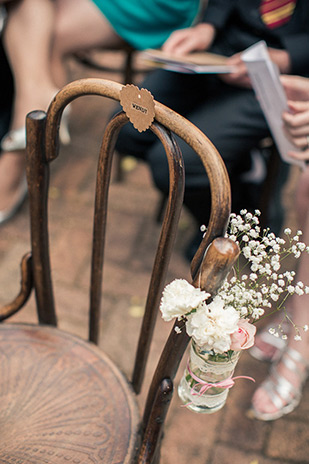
125	68
207	271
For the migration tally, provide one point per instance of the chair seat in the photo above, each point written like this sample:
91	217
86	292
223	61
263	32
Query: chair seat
61	400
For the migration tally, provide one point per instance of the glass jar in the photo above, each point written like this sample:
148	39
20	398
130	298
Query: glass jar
206	380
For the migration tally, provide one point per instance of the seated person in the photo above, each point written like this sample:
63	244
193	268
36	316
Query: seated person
281	392
38	34
223	106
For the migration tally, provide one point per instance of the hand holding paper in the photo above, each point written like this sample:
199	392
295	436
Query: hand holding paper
266	83
239	73
297	119
296	88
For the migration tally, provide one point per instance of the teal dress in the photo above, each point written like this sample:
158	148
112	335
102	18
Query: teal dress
148	23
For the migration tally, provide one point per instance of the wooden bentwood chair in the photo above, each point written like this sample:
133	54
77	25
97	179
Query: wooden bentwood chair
63	400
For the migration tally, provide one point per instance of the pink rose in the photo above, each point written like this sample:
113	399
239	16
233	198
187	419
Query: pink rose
243	338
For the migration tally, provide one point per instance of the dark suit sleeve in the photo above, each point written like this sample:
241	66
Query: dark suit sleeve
217	12
298	48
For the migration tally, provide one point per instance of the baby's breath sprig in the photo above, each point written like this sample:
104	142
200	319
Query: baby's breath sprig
278	331
259	284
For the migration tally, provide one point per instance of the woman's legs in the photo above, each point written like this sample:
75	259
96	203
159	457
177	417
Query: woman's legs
79	25
298	307
38	34
38	30
27	38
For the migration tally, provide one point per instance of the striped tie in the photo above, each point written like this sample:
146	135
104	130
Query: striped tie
275	13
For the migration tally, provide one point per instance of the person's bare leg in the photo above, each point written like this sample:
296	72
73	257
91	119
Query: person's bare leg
27	40
38	35
79	25
262	401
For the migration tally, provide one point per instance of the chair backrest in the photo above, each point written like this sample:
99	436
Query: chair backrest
207	270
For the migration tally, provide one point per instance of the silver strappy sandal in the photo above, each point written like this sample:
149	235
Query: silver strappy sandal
283	394
277	344
15	139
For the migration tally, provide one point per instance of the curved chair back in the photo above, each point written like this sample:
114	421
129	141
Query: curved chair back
207	271
41	154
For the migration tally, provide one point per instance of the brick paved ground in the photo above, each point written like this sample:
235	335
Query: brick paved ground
223	438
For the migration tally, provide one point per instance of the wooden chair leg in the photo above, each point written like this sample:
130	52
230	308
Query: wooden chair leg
128	67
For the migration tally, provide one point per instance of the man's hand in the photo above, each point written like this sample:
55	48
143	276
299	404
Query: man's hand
296	120
239	77
281	58
296	87
184	41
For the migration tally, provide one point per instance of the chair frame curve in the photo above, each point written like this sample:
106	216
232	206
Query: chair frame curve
42	148
211	159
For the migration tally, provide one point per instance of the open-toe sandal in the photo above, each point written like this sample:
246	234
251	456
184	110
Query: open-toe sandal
276	344
15	139
283	394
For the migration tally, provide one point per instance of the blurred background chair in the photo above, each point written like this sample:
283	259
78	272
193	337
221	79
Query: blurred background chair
124	67
63	399
122	63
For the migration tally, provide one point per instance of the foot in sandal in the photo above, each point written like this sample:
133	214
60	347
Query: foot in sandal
281	392
267	346
13	185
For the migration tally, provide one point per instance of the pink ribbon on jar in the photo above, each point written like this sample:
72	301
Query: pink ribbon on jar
226	383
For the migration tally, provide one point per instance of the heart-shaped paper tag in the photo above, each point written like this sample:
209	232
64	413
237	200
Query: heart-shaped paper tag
138	104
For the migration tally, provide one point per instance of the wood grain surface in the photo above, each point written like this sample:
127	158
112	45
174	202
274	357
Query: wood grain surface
61	400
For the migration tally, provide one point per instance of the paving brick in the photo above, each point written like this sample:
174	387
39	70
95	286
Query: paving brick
248	433
74	170
289	440
229	455
18	229
70	253
10	271
189	437
27	313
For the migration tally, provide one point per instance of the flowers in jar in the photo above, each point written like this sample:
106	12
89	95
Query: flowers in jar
214	325
243	337
259	285
180	298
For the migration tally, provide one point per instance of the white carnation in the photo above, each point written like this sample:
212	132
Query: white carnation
211	325
179	298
